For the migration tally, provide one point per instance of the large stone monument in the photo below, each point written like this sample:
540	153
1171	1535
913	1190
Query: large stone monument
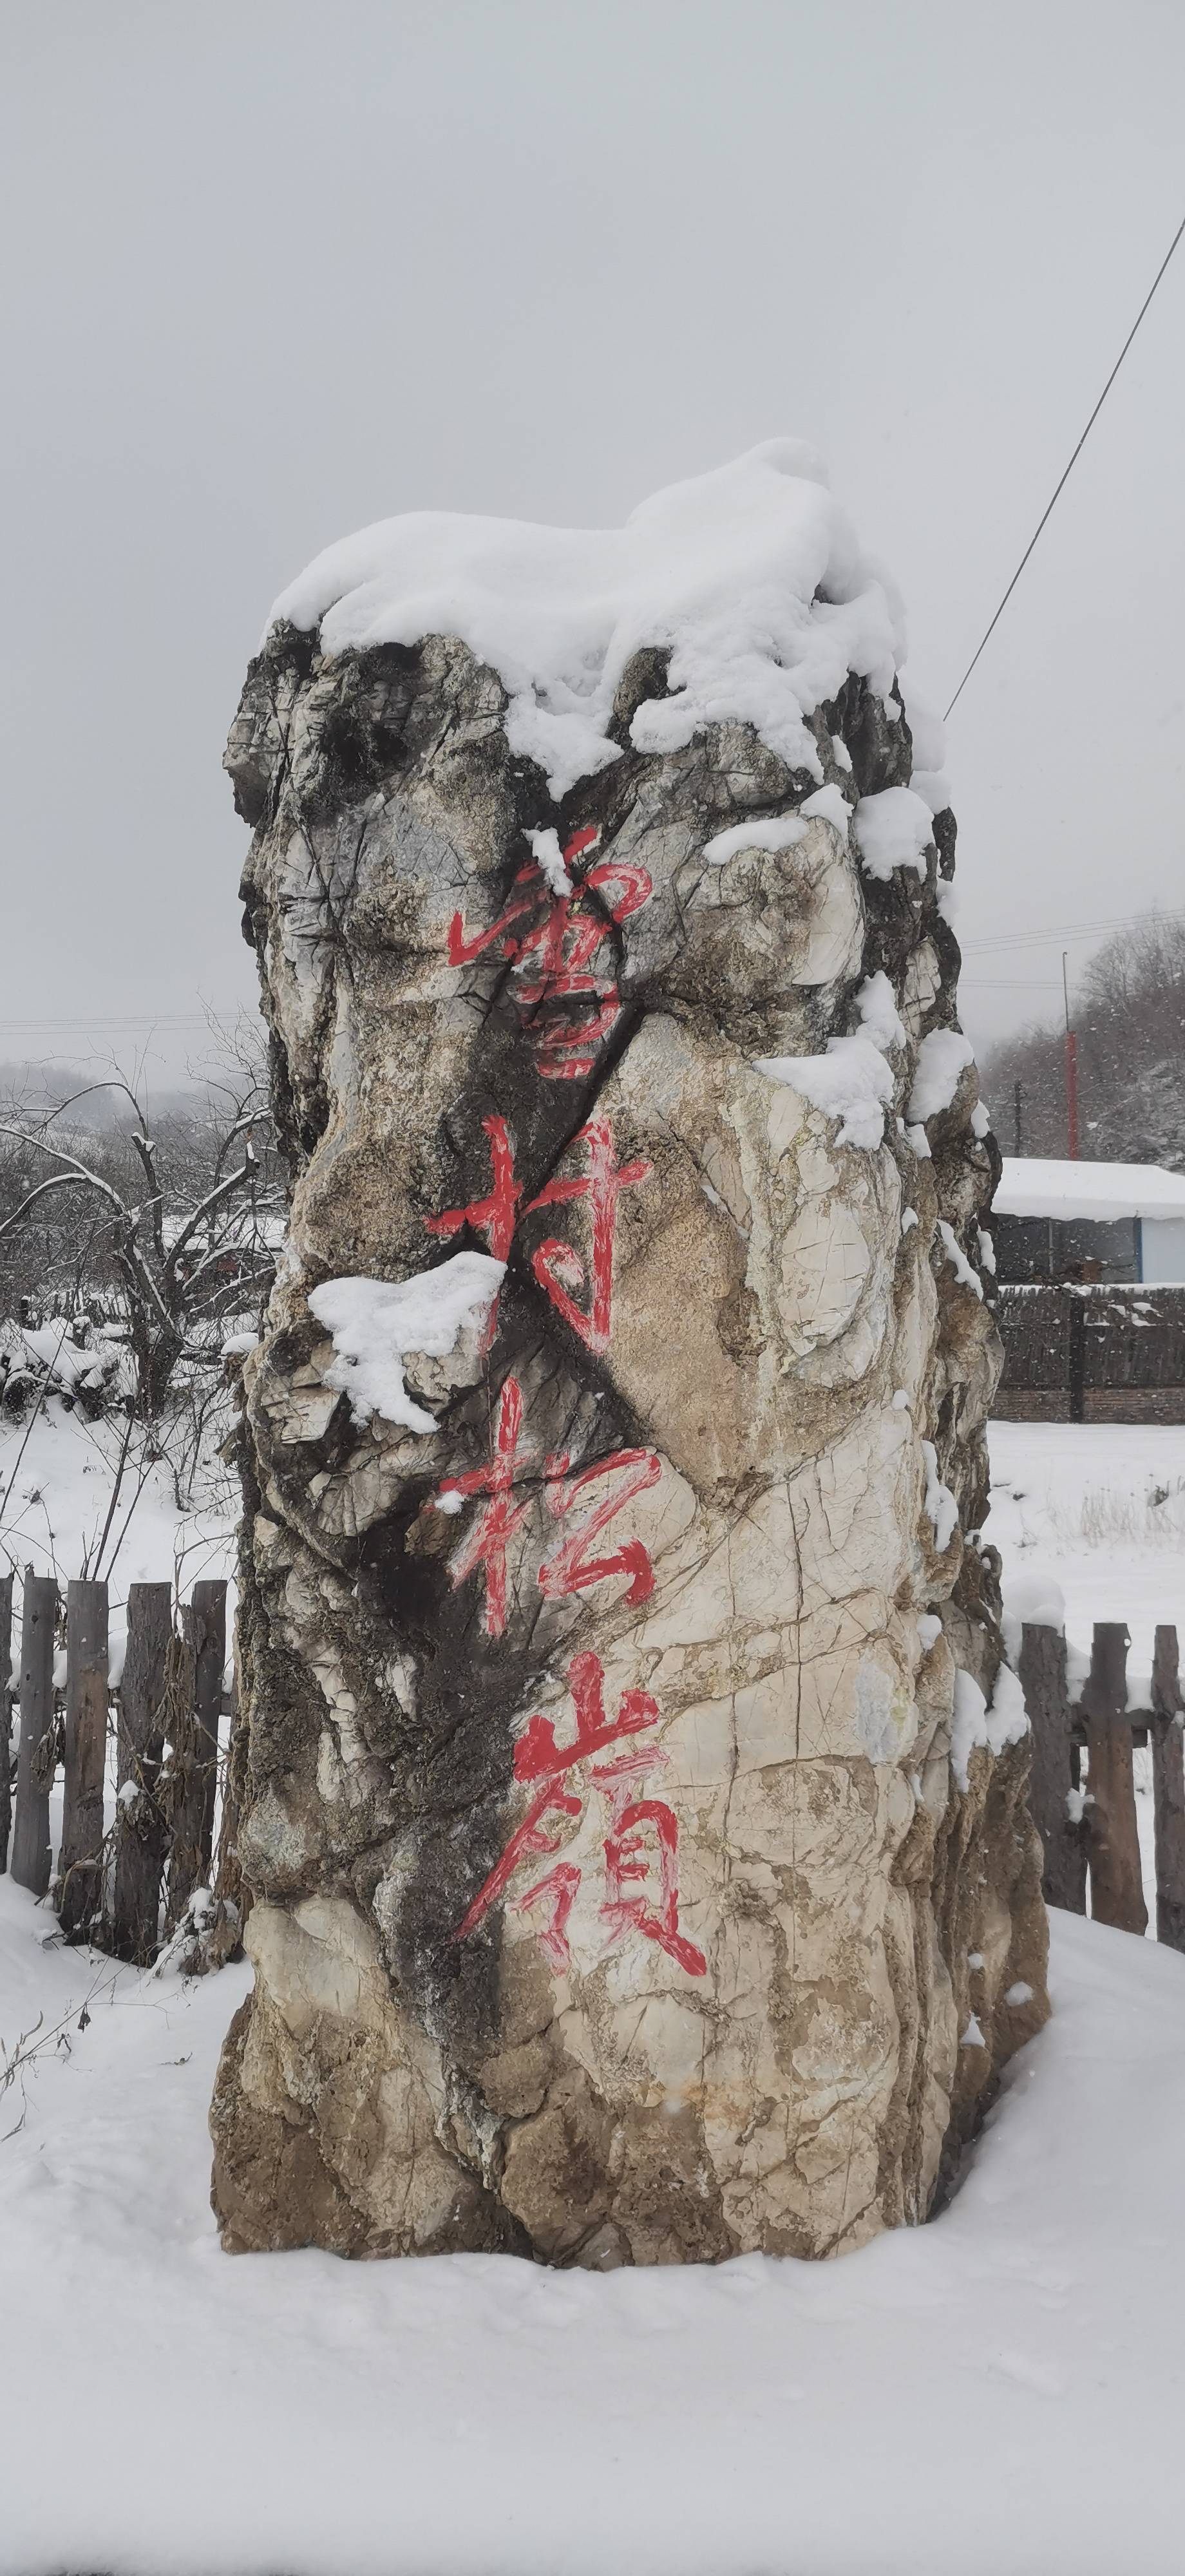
633	1794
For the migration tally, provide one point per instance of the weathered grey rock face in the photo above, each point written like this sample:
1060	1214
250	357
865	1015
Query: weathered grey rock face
616	1896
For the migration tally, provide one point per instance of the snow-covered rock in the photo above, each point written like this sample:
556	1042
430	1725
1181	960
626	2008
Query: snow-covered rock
617	1423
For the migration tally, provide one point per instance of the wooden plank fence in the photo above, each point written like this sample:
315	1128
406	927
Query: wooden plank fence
117	1886
1091	1353
1091	1835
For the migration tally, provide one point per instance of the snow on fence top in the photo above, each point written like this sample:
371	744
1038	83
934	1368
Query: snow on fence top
1098	1193
751	576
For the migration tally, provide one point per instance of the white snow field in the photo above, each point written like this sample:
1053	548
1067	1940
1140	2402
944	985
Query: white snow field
999	2391
1097	1508
57	1476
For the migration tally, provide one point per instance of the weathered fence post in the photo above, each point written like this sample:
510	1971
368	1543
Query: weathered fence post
80	1874
229	1882
30	1863
1168	1786
1043	1680
140	1825
195	1749
5	1715
1116	1885
1077	1354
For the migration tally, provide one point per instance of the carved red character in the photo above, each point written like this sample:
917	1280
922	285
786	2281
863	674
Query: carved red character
537	1756
558	1889
487	1541
644	1835
554	1261
550	942
569	1568
495	1216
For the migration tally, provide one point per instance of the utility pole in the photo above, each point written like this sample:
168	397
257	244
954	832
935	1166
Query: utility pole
1016	1101
1071	1072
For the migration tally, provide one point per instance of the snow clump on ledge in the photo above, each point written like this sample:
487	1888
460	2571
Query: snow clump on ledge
879	1015
974	1722
892	831
852	1082
942	1057
941	1507
779	832
376	1323
966	1276
750	576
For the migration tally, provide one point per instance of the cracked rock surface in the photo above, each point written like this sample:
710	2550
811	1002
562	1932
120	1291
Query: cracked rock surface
613	1897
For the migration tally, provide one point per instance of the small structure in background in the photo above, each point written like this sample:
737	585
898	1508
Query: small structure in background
1090	1271
1110	1222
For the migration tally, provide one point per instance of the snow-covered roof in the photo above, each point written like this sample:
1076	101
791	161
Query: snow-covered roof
1099	1192
751	575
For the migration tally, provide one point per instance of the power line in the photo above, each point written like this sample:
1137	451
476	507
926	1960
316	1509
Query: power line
136	1020
1073	461
1064	930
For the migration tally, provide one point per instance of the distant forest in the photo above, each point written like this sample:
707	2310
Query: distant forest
1129	1014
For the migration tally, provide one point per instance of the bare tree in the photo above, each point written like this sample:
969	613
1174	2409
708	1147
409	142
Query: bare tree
181	1224
1129	1015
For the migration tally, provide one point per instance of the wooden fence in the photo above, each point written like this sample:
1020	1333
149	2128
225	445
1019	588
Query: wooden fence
1091	1354
1093	1833
110	1884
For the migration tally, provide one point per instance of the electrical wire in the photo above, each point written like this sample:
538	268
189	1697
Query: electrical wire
1064	930
134	1020
1073	461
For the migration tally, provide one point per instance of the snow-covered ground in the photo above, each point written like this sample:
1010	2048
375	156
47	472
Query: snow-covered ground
1098	1509
59	1476
999	2391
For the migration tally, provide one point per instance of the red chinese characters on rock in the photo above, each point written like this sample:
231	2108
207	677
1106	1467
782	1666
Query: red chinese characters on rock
568	1568
569	1004
553	944
487	1541
496	1216
640	1849
554	1261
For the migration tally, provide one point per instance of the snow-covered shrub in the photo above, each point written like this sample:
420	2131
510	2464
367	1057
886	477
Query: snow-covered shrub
67	1359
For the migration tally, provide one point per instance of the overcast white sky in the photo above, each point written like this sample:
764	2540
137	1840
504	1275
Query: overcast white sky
275	268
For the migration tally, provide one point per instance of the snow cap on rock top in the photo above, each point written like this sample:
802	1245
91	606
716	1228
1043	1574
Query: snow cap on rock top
750	576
